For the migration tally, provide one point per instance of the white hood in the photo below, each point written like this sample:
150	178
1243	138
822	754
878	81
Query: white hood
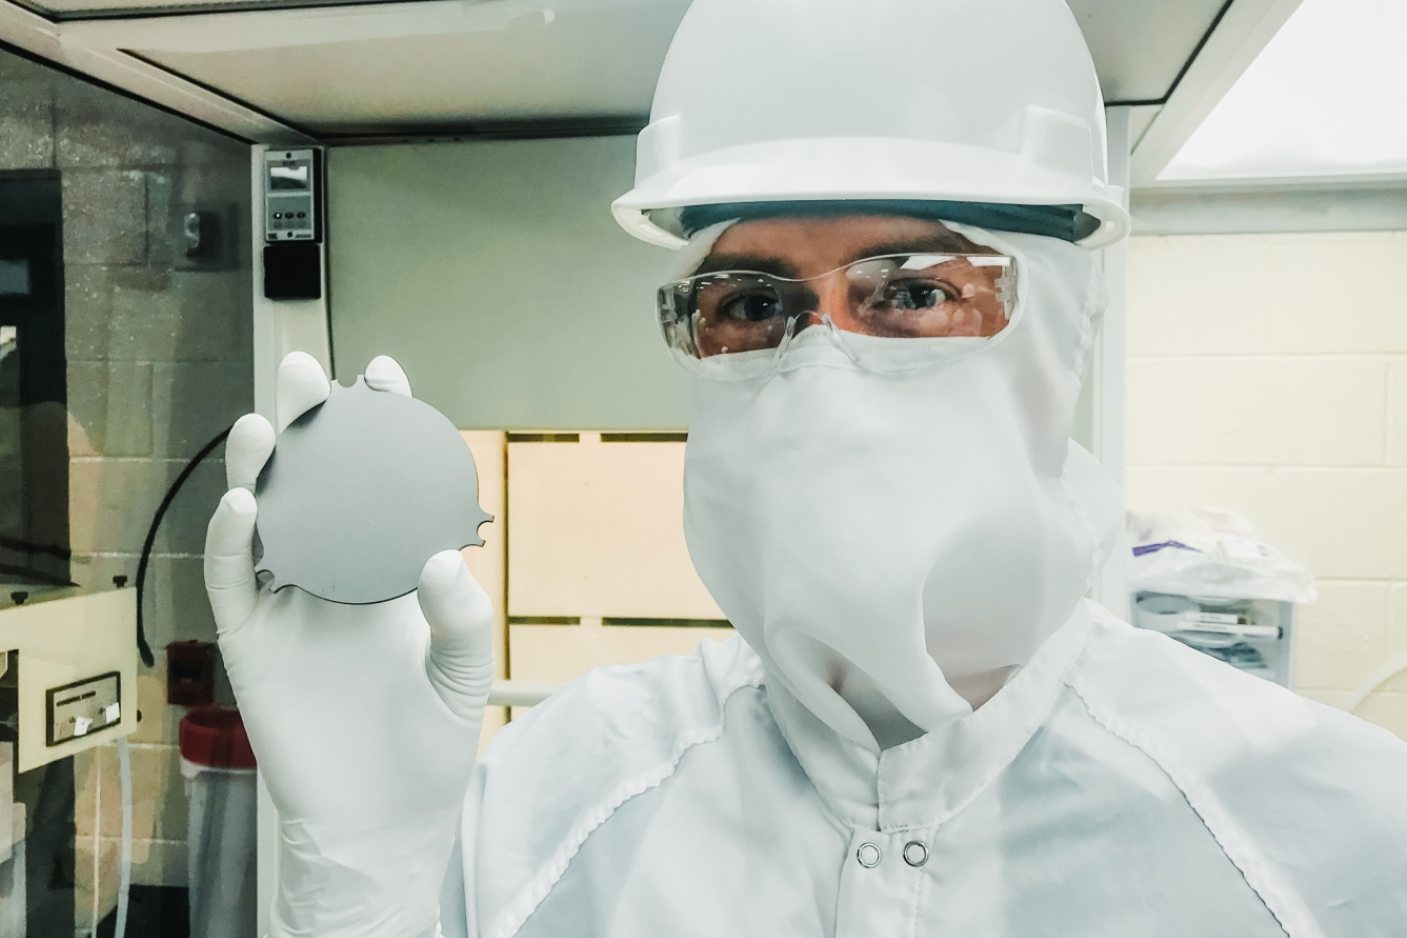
875	536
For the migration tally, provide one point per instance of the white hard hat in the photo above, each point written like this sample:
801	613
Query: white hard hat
984	111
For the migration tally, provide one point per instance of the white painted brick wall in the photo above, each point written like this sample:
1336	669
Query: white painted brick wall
1268	374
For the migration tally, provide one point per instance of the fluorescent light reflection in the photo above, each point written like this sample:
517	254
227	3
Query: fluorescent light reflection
1326	97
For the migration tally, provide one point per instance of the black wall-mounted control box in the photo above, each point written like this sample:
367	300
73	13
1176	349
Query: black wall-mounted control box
293	271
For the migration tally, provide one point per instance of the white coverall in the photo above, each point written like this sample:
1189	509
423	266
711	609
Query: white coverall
1119	784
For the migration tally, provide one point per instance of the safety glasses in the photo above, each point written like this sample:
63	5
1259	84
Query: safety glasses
894	296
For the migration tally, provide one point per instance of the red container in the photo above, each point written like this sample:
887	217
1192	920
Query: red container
215	737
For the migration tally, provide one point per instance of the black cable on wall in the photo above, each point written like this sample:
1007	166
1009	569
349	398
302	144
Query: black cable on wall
142	647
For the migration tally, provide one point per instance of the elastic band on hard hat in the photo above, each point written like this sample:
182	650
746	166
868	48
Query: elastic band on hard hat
1066	222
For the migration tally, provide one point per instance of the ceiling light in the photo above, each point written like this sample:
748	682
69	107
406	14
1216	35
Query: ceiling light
1326	97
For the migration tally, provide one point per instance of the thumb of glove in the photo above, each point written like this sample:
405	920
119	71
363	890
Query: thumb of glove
460	615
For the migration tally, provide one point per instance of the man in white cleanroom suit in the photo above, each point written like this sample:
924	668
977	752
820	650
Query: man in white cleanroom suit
887	298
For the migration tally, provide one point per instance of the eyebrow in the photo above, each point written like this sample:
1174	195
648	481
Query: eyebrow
756	263
777	267
938	244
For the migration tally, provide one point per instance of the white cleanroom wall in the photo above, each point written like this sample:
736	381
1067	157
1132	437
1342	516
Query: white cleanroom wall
1267	373
494	272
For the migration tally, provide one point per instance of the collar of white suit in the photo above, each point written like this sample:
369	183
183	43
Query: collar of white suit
924	782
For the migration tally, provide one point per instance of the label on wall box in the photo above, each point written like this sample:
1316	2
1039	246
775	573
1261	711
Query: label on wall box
83	707
360	492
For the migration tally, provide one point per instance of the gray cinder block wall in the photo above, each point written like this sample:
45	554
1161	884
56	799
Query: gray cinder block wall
159	361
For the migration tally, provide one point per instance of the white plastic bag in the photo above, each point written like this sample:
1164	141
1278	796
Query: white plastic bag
221	860
1212	553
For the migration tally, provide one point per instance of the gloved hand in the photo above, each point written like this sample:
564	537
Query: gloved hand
365	719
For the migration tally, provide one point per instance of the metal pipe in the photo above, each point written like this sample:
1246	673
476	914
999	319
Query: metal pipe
522	693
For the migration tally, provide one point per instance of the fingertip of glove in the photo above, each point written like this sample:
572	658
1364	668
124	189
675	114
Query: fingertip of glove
249	432
302	385
384	373
248	448
442	570
300	361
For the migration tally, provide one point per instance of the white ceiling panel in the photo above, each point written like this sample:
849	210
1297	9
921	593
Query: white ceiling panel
104	9
517	64
1141	46
443	66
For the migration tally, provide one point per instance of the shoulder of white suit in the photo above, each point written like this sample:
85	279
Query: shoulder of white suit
662	697
1307	796
554	776
625	725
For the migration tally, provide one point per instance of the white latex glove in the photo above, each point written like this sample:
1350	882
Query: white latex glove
365	719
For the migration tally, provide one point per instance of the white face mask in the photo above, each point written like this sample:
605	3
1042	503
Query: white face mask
878	537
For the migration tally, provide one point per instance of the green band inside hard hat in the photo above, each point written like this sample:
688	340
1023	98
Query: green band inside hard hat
1066	222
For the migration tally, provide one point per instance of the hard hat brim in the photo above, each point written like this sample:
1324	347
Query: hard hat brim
870	169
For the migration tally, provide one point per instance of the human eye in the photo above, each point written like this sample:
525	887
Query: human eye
755	305
917	294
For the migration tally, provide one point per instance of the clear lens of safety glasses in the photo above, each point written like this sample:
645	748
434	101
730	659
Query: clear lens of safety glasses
919	296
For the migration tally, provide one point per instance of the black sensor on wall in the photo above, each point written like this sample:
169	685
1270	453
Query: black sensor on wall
293	271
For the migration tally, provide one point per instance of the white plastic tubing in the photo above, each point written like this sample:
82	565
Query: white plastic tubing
124	887
124	770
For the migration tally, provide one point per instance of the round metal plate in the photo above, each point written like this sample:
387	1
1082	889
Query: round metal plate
360	492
